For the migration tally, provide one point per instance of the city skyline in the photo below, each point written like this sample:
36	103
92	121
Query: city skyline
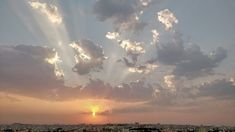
117	61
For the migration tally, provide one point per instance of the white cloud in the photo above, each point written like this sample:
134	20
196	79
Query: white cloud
147	68
145	2
112	35
132	47
167	18
82	55
55	60
232	80
155	36
170	81
51	11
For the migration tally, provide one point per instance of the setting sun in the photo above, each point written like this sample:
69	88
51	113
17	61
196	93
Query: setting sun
94	110
93	113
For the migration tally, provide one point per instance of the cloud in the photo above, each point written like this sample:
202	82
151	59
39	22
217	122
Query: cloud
172	52
218	89
55	60
145	2
197	63
145	68
4	96
124	14
155	36
167	18
112	35
170	81
232	80
132	48
133	91
24	70
139	108
51	11
88	56
189	61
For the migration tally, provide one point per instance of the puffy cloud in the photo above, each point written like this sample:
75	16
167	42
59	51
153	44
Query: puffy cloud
55	60
170	81
51	11
132	47
191	61
145	68
88	56
167	18
112	35
155	35
133	50
124	14
24	70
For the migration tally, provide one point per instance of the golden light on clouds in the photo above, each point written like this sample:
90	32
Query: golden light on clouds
55	60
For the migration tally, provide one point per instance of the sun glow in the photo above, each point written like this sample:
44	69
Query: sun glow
94	110
93	114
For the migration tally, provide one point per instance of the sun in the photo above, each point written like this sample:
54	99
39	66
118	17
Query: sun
94	111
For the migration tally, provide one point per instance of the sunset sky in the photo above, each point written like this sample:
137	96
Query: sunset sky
117	61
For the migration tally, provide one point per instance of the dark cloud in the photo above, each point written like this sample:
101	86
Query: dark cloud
146	68
124	14
121	10
171	53
89	57
134	91
191	61
197	63
23	70
218	89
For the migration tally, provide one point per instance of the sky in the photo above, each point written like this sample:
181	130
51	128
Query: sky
117	61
